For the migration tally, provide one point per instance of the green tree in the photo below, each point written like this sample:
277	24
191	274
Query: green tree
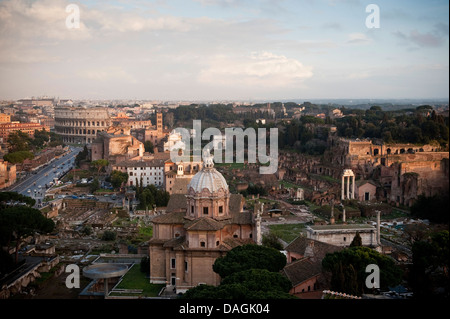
18	157
118	178
19	141
148	146
357	240
95	185
99	164
145	265
249	256
18	222
343	276
435	208
429	270
81	156
109	235
247	284
272	240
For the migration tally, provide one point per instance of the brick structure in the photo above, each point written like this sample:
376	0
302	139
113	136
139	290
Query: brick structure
199	227
28	128
81	124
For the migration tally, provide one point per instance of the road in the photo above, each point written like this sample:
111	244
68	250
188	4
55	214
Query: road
34	184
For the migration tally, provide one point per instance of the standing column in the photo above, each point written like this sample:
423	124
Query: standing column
378	227
348	187
353	187
342	187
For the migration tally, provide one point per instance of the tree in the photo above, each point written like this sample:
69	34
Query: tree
343	276
19	141
148	146
272	240
249	256
434	208
429	270
118	178
145	265
6	197
18	157
357	240
109	235
18	222
99	164
247	284
82	155
95	185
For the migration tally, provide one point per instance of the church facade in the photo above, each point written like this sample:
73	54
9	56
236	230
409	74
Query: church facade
199	227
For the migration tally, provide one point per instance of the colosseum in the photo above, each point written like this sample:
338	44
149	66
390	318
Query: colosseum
80	125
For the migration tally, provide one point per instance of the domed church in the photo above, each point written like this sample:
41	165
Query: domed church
199	227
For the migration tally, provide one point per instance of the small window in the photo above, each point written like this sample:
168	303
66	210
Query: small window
202	244
172	263
217	243
220	209
205	210
192	209
185	266
345	238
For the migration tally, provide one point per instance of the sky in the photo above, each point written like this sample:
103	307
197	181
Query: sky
224	49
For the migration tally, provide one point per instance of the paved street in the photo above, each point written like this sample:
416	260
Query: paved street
33	184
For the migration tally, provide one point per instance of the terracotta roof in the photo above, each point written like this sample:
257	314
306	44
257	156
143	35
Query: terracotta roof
171	218
174	242
311	248
204	223
141	163
180	185
177	202
301	270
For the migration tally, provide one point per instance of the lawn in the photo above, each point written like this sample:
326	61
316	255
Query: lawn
145	233
287	184
287	232
135	279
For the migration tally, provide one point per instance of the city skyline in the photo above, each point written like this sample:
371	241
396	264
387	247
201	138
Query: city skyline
224	50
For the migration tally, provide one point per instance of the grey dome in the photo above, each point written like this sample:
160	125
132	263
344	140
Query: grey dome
208	178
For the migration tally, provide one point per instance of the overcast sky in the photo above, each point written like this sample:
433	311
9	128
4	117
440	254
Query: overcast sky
224	49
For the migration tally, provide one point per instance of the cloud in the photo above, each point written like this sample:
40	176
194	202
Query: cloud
358	38
332	25
105	74
421	39
43	19
257	69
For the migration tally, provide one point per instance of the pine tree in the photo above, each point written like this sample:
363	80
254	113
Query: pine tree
357	241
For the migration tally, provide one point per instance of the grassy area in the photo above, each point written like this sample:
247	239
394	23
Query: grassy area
230	165
396	214
324	178
135	279
144	234
287	232
287	184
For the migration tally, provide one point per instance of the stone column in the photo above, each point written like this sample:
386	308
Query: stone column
343	215
353	187
378	227
348	187
342	187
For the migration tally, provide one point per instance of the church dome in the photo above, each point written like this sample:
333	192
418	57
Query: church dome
208	178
